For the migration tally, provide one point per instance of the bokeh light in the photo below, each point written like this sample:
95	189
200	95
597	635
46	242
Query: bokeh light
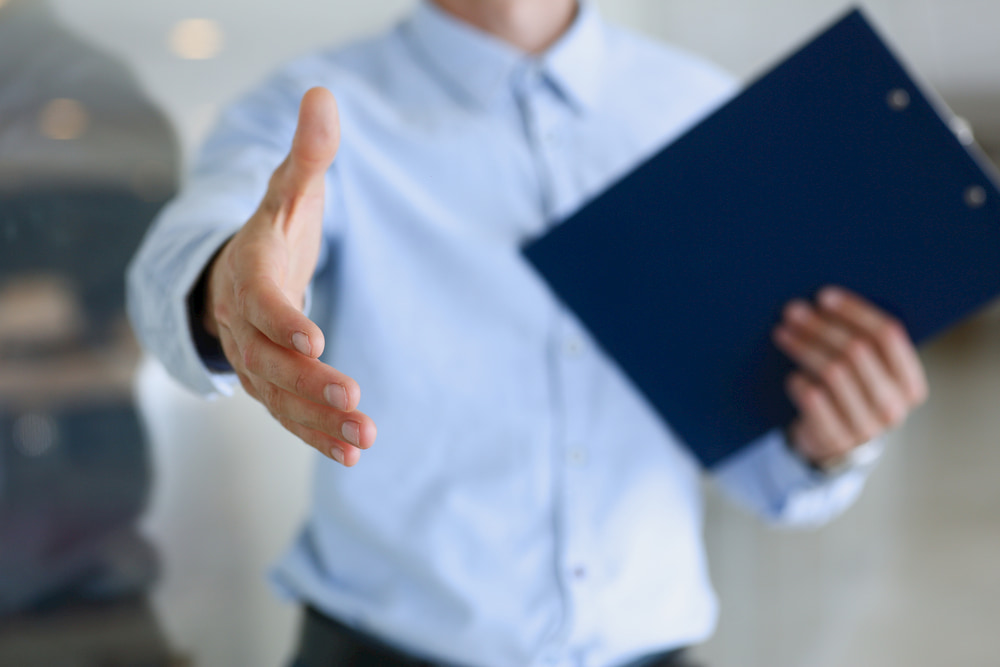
196	39
63	119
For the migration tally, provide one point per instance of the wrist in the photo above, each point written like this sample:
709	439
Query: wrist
201	300
862	456
202	324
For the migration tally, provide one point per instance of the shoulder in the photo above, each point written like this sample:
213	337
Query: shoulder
359	68
358	73
666	69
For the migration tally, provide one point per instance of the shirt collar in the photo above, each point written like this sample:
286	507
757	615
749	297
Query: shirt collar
575	64
480	66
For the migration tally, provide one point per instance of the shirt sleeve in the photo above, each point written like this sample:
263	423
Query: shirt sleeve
768	478
229	178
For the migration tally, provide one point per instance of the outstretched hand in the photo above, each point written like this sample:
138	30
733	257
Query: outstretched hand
256	289
859	374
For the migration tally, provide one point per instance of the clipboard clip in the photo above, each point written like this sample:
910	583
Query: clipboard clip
898	99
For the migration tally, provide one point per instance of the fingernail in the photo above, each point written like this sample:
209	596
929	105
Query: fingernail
352	433
337	455
336	396
831	297
301	343
796	311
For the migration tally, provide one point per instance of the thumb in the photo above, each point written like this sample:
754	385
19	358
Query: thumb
317	138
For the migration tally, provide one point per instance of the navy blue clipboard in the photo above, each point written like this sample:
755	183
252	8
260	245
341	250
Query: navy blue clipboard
833	168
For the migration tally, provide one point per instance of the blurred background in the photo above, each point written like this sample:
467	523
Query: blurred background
102	102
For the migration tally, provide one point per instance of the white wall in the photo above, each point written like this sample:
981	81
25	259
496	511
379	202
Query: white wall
955	44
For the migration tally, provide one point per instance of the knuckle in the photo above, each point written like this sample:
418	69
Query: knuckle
812	397
892	413
834	373
301	384
891	331
857	350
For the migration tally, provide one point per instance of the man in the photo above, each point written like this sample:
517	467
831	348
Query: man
524	505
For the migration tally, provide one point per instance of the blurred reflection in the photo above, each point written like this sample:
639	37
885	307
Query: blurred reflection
85	163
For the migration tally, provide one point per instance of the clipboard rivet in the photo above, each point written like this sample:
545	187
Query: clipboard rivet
898	99
975	196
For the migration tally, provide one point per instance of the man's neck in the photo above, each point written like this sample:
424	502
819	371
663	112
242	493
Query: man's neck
529	25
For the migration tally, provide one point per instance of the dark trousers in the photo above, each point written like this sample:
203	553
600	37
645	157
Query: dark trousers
325	642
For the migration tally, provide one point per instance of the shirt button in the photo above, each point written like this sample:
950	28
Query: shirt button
573	347
579	573
577	457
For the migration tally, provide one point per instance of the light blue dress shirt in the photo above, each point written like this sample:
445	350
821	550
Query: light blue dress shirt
523	504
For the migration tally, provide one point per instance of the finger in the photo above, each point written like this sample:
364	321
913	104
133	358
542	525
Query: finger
888	334
355	428
314	147
797	347
306	378
317	137
832	372
828	436
264	305
881	389
258	359
799	314
860	387
328	446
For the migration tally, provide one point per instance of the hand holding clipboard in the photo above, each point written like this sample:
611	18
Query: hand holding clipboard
832	169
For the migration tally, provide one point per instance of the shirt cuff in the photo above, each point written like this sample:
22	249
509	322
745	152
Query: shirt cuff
208	347
216	373
790	470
